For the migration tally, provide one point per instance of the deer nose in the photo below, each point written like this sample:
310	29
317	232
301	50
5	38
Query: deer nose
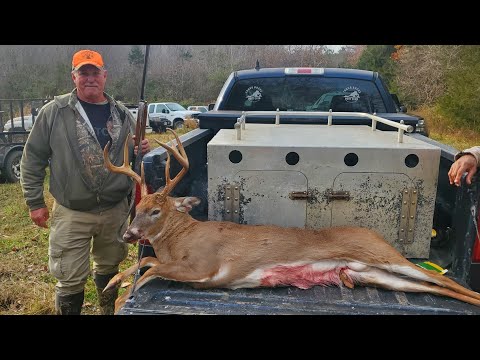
132	235
128	237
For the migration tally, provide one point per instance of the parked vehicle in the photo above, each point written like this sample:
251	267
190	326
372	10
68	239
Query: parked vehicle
12	139
306	167
18	124
27	110
198	108
133	108
201	109
172	115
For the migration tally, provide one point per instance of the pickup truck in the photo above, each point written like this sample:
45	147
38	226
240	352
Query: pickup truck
337	137
172	115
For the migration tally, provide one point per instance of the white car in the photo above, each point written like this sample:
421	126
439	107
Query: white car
17	124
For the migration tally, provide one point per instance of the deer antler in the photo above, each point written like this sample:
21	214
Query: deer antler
125	168
181	157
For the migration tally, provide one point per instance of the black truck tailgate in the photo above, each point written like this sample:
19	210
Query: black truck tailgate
169	297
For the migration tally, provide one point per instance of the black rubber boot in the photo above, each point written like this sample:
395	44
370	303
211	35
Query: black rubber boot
69	304
106	300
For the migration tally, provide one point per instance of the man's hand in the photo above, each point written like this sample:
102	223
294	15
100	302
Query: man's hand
145	146
40	217
466	163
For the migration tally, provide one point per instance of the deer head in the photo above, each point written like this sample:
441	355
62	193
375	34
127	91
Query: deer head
152	210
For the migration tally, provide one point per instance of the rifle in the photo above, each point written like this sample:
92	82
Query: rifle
140	133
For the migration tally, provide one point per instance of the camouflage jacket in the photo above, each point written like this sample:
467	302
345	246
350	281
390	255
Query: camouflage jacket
63	140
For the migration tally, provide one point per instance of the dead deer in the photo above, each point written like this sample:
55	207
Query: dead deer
221	254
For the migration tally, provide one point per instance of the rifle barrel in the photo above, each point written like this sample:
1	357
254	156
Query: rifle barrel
144	76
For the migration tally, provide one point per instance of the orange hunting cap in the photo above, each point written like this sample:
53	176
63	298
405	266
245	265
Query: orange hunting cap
85	57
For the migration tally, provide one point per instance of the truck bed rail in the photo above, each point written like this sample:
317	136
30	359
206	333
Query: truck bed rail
240	125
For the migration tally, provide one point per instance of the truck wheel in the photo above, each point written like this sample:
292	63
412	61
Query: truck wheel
178	124
12	166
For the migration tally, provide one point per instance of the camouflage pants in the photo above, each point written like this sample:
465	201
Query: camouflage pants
70	244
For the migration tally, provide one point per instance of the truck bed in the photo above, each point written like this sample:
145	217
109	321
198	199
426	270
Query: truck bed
452	251
169	297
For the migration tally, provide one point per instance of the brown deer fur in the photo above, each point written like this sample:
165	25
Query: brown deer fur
210	254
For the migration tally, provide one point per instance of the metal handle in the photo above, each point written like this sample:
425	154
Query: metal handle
299	195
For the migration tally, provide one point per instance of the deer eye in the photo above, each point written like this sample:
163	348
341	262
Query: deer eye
155	212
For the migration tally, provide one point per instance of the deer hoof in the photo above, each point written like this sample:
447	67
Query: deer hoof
114	282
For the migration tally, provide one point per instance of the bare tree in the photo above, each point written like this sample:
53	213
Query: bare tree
421	71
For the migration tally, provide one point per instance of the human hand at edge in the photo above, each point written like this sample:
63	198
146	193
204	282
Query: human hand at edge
466	163
145	146
40	217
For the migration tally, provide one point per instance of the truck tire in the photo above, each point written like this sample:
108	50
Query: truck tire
177	124
12	166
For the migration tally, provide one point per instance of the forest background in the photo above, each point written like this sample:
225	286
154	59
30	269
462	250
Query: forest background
438	82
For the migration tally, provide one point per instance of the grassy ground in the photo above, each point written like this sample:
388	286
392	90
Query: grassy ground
26	286
442	130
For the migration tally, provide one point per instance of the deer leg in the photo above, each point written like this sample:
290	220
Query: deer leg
122	299
445	282
120	277
157	269
175	272
386	280
405	267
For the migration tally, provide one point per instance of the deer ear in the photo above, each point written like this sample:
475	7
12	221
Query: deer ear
185	204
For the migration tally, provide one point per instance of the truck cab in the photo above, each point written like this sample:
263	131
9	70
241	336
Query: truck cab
307	89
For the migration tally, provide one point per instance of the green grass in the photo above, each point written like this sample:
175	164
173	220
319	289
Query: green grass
27	286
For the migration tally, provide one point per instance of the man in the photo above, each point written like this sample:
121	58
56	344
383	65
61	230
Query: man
69	135
465	161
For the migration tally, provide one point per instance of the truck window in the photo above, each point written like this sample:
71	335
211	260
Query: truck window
305	93
160	107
